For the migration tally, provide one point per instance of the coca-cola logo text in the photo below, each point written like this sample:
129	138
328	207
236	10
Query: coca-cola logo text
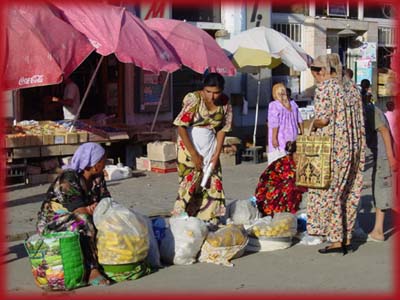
30	80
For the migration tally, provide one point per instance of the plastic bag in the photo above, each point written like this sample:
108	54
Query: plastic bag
274	155
182	241
223	245
242	212
153	256
122	235
281	225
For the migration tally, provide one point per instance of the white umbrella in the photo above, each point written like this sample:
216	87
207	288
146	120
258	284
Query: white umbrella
263	47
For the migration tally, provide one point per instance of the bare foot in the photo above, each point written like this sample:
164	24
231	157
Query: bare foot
96	278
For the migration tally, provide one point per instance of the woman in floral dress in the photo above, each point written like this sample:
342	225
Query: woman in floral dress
355	119
71	200
202	123
276	189
329	213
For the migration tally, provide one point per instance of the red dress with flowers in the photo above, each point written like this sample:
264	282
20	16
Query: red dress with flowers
209	203
276	190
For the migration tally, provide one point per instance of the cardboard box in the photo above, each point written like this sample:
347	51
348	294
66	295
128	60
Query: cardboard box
143	163
162	151
163	166
163	171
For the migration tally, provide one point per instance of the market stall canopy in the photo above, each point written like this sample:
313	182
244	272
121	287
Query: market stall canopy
39	47
262	47
194	46
113	29
273	43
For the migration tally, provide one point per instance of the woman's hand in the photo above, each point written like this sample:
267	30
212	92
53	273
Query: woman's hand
275	142
197	160
87	210
90	208
214	159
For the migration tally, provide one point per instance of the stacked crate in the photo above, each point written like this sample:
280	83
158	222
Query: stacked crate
162	156
386	84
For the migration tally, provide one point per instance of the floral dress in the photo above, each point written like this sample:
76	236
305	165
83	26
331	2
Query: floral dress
329	213
209	203
355	120
66	194
276	189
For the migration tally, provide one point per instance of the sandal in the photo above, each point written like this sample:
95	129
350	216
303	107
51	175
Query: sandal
98	281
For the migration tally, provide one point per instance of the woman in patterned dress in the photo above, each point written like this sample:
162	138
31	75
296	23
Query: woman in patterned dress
355	117
71	200
329	213
202	123
276	190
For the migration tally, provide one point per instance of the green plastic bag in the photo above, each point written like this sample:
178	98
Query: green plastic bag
57	260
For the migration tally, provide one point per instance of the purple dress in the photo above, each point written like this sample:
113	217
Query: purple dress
287	121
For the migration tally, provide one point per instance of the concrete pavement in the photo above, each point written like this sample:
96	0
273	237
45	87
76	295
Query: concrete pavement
299	269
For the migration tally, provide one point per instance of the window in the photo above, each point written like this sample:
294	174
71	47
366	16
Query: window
293	31
198	14
386	36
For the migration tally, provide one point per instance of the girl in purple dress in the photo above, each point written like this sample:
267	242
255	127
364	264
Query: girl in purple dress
284	119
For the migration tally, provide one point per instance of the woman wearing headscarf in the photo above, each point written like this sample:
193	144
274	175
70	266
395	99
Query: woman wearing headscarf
276	190
205	117
329	213
284	120
71	200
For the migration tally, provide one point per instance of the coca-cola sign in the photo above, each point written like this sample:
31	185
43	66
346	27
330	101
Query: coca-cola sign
30	80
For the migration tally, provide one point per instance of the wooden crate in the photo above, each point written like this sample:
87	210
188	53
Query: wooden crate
14	141
47	139
82	136
59	138
71	138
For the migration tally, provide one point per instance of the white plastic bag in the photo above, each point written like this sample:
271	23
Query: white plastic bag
274	155
242	212
269	234
183	240
223	245
122	235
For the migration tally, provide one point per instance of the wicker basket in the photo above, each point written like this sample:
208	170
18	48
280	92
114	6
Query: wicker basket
314	160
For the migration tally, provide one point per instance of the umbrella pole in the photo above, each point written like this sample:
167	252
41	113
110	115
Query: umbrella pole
258	100
159	102
86	93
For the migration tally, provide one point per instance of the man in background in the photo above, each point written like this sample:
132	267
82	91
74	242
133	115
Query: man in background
70	100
